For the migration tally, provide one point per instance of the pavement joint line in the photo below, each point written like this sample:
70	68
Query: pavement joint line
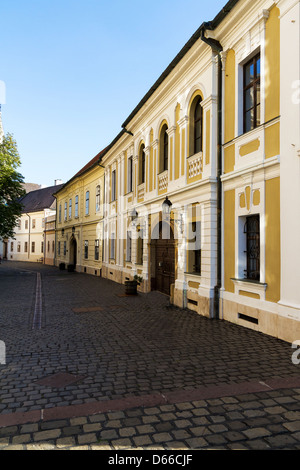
156	399
37	317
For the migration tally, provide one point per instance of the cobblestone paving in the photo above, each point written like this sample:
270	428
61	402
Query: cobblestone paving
124	348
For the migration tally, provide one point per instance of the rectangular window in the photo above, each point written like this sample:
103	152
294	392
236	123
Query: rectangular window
86	249
194	248
112	246
87	203
113	185
33	247
140	247
128	247
130	170
42	247
26	224
76	206
33	223
58	248
65	248
25	247
70	208
96	250
65	215
98	198
59	213
252	231
252	94
19	247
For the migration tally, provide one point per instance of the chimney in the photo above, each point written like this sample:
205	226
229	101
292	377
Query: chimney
57	182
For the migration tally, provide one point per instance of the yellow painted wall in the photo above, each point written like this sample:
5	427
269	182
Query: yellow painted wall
272	140
229	239
272	70
182	152
207	138
273	239
87	227
230	96
229	158
177	142
151	162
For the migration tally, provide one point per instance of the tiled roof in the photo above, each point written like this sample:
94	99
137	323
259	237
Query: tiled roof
41	199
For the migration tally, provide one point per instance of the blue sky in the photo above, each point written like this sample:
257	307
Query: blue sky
75	69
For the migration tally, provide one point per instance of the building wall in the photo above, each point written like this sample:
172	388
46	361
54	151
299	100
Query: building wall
190	181
49	240
260	179
81	228
259	165
28	243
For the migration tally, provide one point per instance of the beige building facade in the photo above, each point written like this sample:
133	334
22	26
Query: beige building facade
200	189
28	243
79	220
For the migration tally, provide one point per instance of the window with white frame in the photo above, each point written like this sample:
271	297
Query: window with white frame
130	175
113	185
128	246
96	250
76	205
112	254
251	94
87	203
98	198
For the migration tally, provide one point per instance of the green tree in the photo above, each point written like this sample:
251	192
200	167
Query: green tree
11	189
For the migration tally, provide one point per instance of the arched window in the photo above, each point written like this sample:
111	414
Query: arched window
164	148
142	164
196	126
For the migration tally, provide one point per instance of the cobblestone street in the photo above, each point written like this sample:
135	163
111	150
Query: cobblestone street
87	367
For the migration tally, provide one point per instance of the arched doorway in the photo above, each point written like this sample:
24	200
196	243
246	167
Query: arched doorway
73	252
162	258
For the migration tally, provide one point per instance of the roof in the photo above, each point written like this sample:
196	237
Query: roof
91	164
197	35
38	200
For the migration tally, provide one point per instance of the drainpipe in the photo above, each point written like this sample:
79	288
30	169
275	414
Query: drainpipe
217	49
29	224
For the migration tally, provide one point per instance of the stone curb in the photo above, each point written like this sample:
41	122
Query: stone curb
181	396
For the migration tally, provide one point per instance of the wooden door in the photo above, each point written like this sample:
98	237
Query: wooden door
164	250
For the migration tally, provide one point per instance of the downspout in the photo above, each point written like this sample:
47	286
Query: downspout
217	48
29	224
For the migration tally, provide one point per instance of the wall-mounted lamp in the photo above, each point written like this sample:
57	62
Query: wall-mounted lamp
133	215
166	206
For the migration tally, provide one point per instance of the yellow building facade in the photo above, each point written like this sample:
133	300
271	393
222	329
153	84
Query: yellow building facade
79	220
198	190
260	165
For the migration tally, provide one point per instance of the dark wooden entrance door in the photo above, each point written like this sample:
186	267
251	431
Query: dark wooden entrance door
164	252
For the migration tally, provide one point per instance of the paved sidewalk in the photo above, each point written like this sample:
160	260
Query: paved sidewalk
89	368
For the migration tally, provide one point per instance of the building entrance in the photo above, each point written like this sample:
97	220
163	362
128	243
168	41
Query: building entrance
163	259
73	252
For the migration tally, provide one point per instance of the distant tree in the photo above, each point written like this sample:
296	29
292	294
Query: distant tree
11	189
